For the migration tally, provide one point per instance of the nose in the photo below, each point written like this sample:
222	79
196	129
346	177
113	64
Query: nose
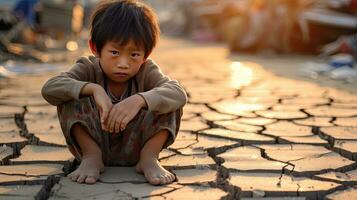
122	63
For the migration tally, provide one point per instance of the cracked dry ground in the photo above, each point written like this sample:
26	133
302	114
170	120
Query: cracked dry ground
246	133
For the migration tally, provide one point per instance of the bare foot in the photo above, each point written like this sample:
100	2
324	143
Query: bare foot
154	172
89	170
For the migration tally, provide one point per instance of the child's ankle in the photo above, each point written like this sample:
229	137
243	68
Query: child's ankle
92	155
149	158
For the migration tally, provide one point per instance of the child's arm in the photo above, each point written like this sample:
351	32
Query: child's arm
68	85
123	112
101	98
162	94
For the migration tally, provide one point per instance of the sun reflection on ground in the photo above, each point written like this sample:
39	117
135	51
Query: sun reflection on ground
242	74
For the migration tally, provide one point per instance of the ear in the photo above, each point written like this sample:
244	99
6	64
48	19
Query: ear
93	48
146	57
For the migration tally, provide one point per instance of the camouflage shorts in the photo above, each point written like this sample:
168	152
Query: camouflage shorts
122	148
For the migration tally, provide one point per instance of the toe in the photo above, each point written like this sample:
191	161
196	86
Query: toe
167	179
172	177
154	180
163	179
81	178
73	176
91	180
138	168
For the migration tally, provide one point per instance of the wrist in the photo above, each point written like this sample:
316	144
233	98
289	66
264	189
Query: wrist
142	101
90	88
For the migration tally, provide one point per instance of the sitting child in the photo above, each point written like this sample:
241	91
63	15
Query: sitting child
118	108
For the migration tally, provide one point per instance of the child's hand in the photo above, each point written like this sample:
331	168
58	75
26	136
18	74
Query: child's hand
103	102
104	105
123	112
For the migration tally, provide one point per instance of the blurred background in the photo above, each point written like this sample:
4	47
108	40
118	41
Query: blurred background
281	26
36	30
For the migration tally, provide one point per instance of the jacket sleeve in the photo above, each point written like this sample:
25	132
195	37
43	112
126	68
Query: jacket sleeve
162	94
68	85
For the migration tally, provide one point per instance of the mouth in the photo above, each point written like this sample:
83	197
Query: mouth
120	74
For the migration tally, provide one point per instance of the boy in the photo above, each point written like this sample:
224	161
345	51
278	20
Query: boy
117	108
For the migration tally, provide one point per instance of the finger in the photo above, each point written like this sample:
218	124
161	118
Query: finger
104	117
110	119
113	121
119	121
128	117
123	123
117	126
106	123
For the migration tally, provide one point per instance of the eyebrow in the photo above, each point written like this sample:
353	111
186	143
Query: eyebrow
135	48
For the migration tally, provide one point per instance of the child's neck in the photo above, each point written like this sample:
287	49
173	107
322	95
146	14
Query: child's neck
117	89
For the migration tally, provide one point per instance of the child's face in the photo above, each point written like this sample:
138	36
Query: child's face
120	63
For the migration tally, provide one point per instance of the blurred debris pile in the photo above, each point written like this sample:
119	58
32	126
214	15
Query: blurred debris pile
344	44
253	25
332	25
328	20
40	30
340	66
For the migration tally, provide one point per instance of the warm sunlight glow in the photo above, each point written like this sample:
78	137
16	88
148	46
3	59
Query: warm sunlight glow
236	107
4	72
241	75
72	46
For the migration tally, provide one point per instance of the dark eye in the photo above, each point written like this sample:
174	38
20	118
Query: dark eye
114	53
135	54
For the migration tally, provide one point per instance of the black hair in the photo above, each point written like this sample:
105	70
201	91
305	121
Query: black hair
124	20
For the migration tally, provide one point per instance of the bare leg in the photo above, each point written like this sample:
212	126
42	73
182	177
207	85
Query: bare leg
149	164
73	151
91	165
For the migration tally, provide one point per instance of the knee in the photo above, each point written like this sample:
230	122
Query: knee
77	127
